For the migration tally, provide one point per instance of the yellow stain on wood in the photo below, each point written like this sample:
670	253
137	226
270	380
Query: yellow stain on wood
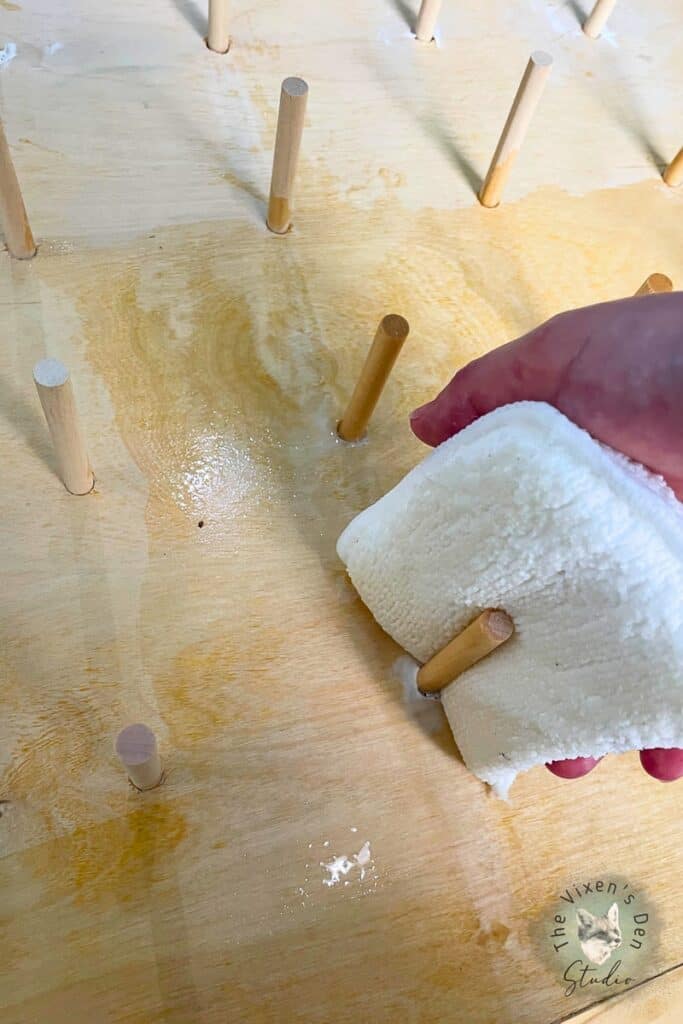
110	861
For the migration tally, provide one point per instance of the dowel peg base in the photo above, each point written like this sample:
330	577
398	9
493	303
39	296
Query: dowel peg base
221	53
656	284
279	219
673	174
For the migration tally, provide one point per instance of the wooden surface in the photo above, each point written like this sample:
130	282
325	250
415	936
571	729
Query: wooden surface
197	588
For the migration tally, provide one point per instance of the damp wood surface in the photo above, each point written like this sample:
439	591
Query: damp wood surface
197	588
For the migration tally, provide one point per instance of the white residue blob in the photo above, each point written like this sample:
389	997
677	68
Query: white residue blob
364	855
8	53
52	48
341	866
363	858
337	867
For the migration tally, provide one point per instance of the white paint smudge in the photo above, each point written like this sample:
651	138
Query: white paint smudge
52	48
363	858
341	866
337	867
8	53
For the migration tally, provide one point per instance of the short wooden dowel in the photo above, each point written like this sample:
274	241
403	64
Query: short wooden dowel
388	341
426	20
522	110
13	216
654	284
57	399
136	746
488	631
218	38
290	126
597	19
673	175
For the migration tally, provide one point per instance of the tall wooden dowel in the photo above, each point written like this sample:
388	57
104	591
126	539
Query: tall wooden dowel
290	126
673	175
654	284
13	216
388	342
57	399
597	19
218	38
136	746
426	20
522	110
488	631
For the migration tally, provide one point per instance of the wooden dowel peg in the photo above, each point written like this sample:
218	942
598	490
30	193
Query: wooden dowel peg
654	284
218	38
522	110
13	216
597	19
57	399
388	341
290	126
426	20
136	746
673	175
488	631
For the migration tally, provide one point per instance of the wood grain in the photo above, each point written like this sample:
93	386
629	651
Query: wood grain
212	361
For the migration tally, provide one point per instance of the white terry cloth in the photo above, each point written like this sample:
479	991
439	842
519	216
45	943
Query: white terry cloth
523	511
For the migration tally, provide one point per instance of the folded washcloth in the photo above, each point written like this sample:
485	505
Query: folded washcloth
523	511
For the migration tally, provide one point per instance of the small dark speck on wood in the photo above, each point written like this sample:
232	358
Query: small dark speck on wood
200	523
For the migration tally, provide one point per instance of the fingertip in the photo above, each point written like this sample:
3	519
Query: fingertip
663	763
421	424
573	767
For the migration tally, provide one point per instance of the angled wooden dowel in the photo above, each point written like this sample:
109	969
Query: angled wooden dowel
515	129
13	216
488	631
654	284
597	19
290	126
426	20
57	399
673	175
218	38
136	746
388	342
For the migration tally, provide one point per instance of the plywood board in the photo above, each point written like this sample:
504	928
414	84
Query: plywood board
198	590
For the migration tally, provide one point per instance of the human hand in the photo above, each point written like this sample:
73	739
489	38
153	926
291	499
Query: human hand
616	370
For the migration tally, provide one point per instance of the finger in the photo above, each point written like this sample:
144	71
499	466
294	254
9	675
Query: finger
614	369
573	768
662	763
525	369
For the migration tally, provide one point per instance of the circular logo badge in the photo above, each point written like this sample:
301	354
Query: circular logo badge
598	935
